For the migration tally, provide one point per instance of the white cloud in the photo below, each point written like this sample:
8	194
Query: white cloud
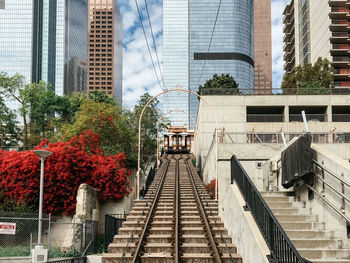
138	75
277	7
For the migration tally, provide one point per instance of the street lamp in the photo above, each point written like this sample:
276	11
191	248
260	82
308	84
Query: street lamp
42	154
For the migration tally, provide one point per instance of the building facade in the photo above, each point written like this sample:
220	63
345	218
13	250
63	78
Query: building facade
105	48
48	40
318	28
16	41
188	62
262	47
175	59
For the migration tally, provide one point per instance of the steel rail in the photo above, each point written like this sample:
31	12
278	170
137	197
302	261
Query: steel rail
212	242
132	236
177	211
147	225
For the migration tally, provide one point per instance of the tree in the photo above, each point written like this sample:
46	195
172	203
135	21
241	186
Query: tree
12	87
108	121
9	131
80	160
152	121
219	85
44	108
310	79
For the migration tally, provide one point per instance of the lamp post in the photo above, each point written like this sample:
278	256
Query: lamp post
42	154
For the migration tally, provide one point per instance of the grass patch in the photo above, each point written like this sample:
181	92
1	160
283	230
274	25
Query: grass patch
18	251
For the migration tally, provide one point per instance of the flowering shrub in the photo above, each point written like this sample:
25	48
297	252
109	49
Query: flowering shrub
72	163
211	188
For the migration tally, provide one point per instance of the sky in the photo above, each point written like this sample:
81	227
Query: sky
138	73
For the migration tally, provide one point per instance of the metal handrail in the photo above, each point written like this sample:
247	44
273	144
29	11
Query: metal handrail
331	173
209	151
332	187
281	248
328	203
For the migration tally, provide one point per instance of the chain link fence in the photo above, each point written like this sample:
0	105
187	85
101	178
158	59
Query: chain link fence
62	239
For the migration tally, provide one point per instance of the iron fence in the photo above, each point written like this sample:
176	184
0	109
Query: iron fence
70	260
62	239
281	248
112	224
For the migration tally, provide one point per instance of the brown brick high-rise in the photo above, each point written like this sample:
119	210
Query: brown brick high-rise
105	48
262	47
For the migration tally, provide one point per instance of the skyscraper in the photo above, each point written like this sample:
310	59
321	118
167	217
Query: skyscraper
105	48
318	28
188	61
262	47
48	40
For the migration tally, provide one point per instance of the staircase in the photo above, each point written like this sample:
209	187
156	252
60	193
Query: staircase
306	232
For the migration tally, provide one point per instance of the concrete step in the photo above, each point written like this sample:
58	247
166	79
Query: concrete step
285	199
315	243
274	205
305	234
325	254
276	194
291	211
295	218
302	226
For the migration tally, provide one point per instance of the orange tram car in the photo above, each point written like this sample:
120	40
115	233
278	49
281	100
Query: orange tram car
177	141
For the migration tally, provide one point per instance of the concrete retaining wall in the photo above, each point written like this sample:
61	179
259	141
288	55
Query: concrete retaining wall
242	227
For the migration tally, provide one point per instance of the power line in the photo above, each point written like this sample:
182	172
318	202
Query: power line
149	50
155	48
154	43
210	42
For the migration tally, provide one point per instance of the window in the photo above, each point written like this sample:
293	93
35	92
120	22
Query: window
2	4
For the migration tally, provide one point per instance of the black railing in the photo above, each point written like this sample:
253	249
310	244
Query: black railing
281	248
151	174
112	224
90	237
69	260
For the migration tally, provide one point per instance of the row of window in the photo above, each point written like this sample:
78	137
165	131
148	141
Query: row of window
100	59
99	45
101	50
103	31
98	73
100	64
100	26
100	40
98	78
100	83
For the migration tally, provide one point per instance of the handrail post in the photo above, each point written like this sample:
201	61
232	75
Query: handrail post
343	192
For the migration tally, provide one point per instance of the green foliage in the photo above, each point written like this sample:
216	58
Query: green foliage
151	121
9	132
14	251
11	87
56	252
219	85
108	122
310	79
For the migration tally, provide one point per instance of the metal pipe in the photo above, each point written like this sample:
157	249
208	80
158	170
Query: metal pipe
328	203
41	195
284	140
331	173
305	121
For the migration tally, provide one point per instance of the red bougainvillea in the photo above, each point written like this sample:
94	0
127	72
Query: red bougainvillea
211	188
72	163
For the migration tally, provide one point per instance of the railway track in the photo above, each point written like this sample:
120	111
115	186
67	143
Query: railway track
176	222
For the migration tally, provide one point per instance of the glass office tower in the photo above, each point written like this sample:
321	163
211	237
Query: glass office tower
16	27
188	27
76	46
232	48
175	59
